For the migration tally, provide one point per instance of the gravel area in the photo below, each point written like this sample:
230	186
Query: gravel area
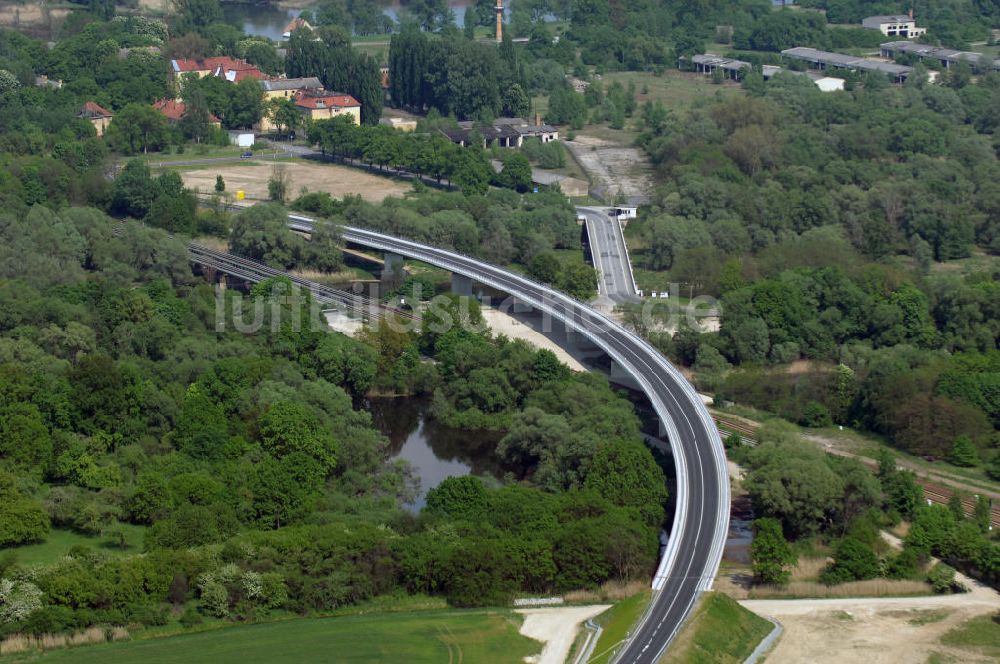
613	167
557	628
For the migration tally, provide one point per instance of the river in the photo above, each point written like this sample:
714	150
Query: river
435	452
270	20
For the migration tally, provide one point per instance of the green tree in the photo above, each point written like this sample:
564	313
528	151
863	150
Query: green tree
261	232
220	184
289	427
626	474
201	426
22	519
853	560
284	114
545	267
343	361
246	104
282	488
516	173
195	124
964	453
197	14
24	438
795	485
983	515
460	498
138	128
325	249
578	280
942	578
769	552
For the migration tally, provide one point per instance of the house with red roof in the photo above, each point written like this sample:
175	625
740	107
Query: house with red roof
327	105
224	67
296	23
174	110
97	116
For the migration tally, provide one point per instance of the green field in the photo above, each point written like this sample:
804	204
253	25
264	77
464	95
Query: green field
433	637
980	635
616	622
676	89
58	543
719	631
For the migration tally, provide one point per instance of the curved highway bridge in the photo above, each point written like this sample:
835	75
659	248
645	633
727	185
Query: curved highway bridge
692	555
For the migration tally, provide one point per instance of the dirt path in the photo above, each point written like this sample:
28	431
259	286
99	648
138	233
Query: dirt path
858	631
835	447
557	628
503	323
613	167
876	630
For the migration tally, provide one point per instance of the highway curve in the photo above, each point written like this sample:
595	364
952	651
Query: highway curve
691	558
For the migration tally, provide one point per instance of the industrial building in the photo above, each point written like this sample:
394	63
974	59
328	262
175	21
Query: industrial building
708	63
824	60
894	25
945	57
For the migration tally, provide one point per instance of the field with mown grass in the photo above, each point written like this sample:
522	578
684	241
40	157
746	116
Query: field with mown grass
58	543
430	637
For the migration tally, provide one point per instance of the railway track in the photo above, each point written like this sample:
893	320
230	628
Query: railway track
747	433
933	492
255	272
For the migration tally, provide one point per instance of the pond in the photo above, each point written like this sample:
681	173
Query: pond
436	452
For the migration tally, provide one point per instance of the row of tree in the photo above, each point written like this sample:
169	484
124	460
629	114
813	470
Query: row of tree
456	76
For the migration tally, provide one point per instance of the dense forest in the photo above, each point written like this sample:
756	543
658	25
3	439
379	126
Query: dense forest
804	498
819	221
259	485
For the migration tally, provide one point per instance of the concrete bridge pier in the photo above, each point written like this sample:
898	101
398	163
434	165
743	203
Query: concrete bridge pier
461	285
521	307
392	270
581	344
621	377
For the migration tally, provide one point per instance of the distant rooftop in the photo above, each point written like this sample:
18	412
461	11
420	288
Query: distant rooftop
307	83
886	18
711	60
828	58
325	100
91	111
945	55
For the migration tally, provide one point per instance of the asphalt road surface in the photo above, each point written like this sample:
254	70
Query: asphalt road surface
607	245
691	558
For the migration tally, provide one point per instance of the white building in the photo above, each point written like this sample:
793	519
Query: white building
243	139
824	83
894	25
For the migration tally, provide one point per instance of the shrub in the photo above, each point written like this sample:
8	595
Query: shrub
18	600
942	577
853	561
191	617
816	415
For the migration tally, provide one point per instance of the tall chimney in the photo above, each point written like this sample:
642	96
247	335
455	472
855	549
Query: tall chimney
911	12
499	21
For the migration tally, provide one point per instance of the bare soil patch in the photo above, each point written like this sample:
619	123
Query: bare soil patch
32	18
898	634
331	178
557	628
613	167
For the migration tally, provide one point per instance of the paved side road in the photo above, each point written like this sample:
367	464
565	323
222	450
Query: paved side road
607	245
691	558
